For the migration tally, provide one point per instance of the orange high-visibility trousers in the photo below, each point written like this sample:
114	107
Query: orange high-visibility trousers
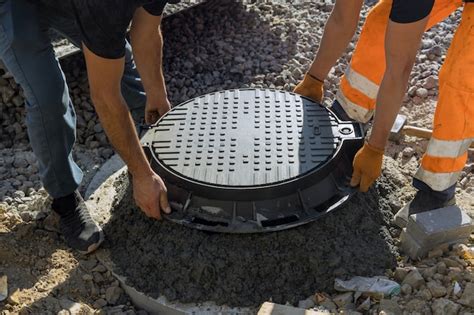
453	127
454	117
360	84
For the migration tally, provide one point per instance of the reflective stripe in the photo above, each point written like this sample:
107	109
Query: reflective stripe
437	181
448	148
356	96
361	83
353	110
442	164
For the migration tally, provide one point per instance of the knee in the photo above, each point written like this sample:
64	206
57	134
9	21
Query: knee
51	96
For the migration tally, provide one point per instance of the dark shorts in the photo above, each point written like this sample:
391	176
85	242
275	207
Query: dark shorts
409	11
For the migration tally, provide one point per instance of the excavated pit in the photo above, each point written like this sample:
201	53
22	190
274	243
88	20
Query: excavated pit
191	266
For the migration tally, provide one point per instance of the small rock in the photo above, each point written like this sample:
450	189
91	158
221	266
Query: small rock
343	299
328	304
113	294
435	253
87	277
431	82
18	194
429	272
306	304
416	305
435	50
445	307
414	279
422	92
436	289
406	289
441	268
408	152
451	263
364	306
100	303
467	297
3	287
389	307
425	294
100	268
14	298
51	223
400	273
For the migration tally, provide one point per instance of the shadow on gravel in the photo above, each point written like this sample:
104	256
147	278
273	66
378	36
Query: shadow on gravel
38	261
221	45
188	265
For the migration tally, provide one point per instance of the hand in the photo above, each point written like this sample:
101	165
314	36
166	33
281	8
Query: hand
311	87
149	192
367	167
155	109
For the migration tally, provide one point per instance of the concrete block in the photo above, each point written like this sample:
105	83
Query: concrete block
430	229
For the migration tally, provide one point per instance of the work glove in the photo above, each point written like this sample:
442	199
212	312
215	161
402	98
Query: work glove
367	167
311	87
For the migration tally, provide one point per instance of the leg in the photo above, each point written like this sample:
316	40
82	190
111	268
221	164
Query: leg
359	86
27	53
132	88
453	129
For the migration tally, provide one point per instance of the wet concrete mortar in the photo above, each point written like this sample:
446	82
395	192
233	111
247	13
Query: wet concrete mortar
188	265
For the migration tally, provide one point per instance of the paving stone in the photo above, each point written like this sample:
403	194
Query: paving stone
429	229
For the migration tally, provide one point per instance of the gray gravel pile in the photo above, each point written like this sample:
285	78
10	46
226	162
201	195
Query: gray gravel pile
441	284
211	47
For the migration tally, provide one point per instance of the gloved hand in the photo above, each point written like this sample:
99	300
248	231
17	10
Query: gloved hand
311	87
367	167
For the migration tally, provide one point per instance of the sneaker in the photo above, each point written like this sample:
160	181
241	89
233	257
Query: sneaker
423	201
76	225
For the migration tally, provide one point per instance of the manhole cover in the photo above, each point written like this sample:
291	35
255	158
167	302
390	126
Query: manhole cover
252	160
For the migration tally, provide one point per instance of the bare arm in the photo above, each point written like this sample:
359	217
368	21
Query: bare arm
339	30
104	80
147	44
401	45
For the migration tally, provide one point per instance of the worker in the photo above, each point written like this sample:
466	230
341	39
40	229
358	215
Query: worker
376	80
99	28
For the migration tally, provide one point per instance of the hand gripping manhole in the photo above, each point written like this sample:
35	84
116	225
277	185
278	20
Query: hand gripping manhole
252	160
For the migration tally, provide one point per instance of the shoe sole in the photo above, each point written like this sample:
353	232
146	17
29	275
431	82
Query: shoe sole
94	246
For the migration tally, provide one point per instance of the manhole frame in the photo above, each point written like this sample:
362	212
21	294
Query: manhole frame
296	186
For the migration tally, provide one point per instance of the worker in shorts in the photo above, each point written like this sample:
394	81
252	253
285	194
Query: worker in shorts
99	28
376	80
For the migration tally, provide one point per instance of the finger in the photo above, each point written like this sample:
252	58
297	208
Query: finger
355	180
165	206
365	183
157	207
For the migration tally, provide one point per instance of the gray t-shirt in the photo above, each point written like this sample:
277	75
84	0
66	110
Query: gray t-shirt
103	23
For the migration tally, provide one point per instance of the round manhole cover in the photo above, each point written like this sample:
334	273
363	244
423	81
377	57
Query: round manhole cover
252	160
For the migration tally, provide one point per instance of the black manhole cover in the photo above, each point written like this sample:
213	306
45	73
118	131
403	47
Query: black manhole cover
252	160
